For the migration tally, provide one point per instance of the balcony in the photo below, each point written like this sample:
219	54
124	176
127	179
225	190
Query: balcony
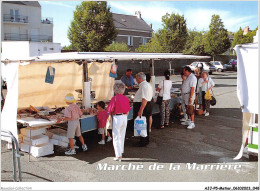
26	37
15	18
47	20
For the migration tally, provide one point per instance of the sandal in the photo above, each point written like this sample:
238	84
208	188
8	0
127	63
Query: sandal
166	125
162	127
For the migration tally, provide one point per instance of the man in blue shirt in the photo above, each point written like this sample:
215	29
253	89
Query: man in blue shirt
128	80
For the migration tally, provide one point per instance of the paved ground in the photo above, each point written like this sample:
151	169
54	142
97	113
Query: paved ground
215	140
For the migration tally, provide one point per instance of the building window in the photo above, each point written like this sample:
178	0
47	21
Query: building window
51	48
130	41
144	41
45	49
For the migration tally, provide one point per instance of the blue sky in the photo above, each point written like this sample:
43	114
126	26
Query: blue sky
234	14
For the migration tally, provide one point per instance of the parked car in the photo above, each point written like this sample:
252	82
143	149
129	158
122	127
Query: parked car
219	66
207	67
231	65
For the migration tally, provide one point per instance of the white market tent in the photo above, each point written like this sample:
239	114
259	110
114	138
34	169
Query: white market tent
26	85
247	86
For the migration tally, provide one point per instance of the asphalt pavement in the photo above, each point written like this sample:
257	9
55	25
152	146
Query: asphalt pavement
169	157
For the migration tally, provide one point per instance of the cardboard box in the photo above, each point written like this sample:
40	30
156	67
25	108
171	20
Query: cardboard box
58	134
36	140
38	150
31	132
54	141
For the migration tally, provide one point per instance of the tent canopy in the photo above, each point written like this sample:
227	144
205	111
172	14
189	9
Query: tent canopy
94	56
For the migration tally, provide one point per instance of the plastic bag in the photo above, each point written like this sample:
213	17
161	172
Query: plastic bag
140	127
208	95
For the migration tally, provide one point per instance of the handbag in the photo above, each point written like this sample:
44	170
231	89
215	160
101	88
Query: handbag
213	101
140	127
160	98
109	124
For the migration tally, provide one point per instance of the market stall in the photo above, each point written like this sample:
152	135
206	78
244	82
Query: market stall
44	81
248	94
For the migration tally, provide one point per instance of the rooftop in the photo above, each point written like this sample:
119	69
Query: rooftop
26	3
130	22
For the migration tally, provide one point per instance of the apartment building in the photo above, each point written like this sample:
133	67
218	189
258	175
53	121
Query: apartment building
23	26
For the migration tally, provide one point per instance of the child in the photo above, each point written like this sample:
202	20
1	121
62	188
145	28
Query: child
72	114
102	120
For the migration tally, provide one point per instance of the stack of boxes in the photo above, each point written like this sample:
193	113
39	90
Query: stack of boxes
36	142
59	137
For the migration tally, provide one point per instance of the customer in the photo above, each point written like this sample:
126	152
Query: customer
164	89
205	83
128	80
72	115
148	79
102	117
143	103
197	72
185	116
119	107
188	89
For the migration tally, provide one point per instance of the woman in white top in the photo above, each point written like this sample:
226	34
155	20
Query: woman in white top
164	89
205	83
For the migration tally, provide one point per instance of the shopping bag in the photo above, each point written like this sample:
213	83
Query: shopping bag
208	95
109	122
140	127
213	101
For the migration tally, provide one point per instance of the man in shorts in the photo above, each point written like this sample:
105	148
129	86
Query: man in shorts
188	89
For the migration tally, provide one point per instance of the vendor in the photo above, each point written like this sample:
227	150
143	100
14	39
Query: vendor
128	80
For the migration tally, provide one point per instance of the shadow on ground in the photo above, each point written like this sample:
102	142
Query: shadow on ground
216	138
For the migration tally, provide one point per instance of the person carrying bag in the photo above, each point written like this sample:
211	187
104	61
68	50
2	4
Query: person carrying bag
206	83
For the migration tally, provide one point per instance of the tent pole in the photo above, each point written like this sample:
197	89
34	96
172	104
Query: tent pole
86	86
152	75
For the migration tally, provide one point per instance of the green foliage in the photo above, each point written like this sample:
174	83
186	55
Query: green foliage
152	46
117	47
216	39
70	47
195	43
92	28
174	34
170	39
239	38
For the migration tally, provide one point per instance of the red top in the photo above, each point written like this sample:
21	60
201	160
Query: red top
102	118
119	106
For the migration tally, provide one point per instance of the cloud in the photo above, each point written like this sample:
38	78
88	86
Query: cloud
58	4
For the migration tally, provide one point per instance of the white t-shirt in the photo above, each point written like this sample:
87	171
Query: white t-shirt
205	86
145	91
191	81
165	87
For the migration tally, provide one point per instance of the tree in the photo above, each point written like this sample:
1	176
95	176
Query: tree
152	46
92	28
239	38
174	34
216	39
117	47
195	43
69	47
